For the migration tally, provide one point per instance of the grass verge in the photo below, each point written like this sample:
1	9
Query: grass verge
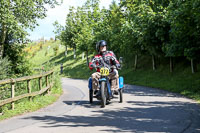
25	106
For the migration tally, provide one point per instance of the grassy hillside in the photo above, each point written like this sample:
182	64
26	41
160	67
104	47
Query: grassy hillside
41	55
180	81
74	68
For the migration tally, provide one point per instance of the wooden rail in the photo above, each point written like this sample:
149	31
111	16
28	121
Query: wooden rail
12	82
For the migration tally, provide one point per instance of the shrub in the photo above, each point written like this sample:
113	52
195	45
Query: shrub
19	63
5	68
46	53
55	49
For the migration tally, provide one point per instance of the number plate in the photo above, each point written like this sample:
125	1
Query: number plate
104	71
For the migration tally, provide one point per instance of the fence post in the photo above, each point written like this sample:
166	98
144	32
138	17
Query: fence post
61	68
29	88
40	83
51	75
47	83
13	94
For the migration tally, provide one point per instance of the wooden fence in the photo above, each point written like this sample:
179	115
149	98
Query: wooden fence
30	94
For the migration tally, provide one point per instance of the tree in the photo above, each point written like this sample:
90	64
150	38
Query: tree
18	15
184	19
58	30
81	27
157	28
132	29
68	35
146	20
89	16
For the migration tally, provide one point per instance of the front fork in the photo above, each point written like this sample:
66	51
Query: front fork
106	79
109	88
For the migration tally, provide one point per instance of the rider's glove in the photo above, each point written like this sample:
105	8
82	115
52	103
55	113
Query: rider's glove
118	66
93	65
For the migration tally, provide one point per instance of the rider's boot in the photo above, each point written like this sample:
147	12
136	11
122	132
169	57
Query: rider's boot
95	92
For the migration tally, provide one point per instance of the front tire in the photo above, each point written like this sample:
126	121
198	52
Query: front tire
103	94
120	96
91	96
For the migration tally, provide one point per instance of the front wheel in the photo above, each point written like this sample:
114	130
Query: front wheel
91	96
103	94
120	96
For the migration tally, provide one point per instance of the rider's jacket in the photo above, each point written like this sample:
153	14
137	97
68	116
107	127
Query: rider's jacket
105	58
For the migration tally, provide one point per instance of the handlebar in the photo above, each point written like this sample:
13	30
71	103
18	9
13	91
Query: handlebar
109	67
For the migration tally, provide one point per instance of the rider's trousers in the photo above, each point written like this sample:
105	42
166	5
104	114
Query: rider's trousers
113	76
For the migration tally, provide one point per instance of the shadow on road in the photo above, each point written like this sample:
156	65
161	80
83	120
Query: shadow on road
95	104
139	116
146	91
152	117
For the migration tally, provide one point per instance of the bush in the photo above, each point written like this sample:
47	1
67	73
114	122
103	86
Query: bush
55	49
5	68
19	63
46	53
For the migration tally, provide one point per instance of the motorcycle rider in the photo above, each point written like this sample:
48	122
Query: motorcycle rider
107	58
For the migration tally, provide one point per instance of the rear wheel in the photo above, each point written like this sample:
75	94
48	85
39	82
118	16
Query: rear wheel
120	96
91	96
103	94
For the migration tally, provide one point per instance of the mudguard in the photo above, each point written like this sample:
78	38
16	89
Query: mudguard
109	89
90	83
121	82
102	79
108	85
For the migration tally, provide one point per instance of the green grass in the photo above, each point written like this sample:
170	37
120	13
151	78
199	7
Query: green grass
179	82
75	68
41	58
24	106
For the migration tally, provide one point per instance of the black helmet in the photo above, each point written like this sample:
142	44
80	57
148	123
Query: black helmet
100	43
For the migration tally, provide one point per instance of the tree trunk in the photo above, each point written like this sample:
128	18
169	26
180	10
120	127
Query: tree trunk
2	41
83	56
135	65
192	66
87	58
74	52
1	50
153	62
66	50
171	64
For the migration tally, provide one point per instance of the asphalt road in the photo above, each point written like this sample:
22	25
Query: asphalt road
143	110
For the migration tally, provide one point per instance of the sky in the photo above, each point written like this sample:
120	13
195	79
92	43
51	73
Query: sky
59	13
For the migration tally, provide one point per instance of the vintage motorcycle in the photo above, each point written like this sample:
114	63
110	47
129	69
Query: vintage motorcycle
104	93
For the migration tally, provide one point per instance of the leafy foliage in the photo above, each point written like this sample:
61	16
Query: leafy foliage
5	68
184	20
160	28
16	16
17	56
58	29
